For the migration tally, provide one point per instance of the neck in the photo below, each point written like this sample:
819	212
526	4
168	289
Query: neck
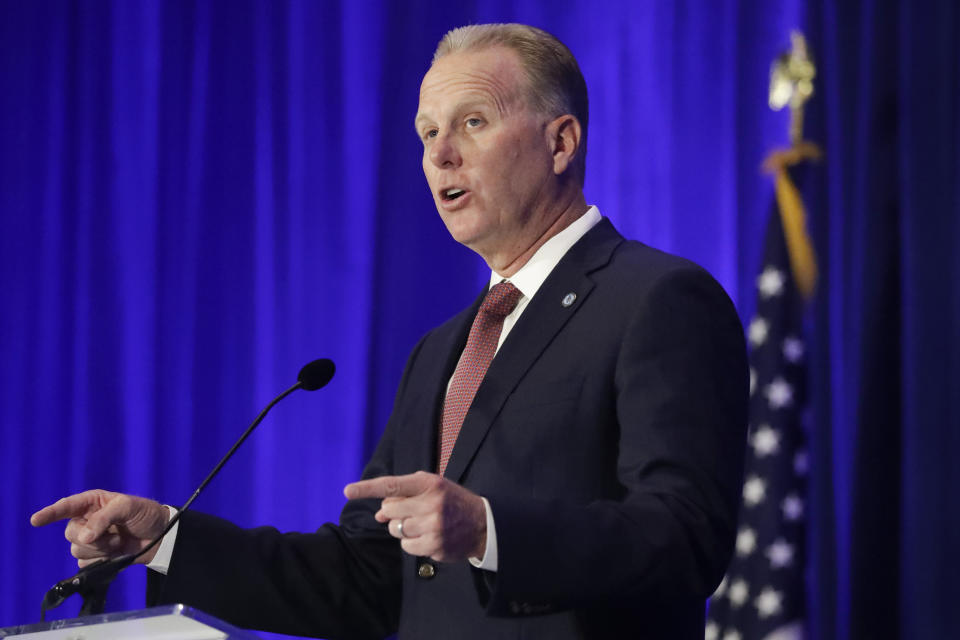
568	212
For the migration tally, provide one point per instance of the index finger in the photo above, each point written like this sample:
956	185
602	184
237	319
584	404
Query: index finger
70	507
391	486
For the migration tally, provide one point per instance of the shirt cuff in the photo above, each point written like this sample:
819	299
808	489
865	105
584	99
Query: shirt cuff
489	560
161	561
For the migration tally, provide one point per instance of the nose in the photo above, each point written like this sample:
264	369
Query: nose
444	152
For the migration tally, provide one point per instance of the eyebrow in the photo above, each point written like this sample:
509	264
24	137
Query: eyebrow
466	107
420	119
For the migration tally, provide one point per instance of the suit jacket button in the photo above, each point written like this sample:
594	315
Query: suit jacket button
426	570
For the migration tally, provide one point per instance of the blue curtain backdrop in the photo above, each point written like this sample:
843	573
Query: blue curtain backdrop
199	197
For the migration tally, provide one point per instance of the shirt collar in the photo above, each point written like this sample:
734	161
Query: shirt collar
531	275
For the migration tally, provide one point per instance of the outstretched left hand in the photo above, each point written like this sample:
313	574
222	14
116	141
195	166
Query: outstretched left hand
430	515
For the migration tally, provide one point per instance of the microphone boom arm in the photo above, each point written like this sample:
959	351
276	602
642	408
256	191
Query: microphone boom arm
92	581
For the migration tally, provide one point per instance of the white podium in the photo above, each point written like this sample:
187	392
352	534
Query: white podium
169	622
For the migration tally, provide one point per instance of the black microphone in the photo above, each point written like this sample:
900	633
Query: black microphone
92	581
316	374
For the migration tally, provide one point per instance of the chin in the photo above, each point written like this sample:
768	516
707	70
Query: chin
463	228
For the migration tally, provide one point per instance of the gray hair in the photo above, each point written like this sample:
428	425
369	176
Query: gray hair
556	85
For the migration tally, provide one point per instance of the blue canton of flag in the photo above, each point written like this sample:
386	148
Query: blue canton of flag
762	595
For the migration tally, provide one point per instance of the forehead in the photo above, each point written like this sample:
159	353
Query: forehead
492	74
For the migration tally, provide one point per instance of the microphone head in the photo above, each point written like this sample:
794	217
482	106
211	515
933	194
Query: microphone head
316	374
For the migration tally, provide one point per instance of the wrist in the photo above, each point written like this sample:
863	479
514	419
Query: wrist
480	525
161	518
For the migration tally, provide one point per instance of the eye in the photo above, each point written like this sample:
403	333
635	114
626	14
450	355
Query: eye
473	123
430	133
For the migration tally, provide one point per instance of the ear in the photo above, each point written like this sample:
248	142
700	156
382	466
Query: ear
563	135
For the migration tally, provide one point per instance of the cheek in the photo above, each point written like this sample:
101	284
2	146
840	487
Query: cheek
520	174
430	179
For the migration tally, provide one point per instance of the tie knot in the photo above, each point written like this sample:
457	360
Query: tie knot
501	299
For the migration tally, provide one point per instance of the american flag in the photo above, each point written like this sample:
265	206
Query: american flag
762	594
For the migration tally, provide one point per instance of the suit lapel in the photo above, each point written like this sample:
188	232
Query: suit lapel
544	317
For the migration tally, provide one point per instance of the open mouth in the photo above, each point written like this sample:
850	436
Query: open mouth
451	194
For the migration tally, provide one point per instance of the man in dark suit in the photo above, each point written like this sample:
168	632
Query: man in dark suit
564	457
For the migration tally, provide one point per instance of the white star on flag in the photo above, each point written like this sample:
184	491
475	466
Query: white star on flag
768	603
746	541
757	332
780	554
765	441
711	631
754	490
770	282
793	349
792	507
779	394
732	634
739	592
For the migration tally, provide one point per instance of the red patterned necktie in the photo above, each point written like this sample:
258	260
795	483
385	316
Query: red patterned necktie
476	358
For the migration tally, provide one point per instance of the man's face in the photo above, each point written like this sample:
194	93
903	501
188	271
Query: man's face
486	154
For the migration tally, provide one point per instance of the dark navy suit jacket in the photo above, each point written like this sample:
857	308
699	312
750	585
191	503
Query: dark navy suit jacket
608	436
